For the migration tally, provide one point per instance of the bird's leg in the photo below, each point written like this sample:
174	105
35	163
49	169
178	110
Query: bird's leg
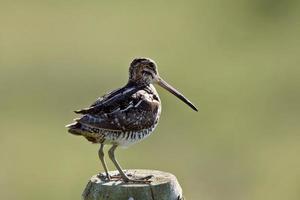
111	154
101	157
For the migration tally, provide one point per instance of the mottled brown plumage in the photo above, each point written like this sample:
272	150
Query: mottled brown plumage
126	115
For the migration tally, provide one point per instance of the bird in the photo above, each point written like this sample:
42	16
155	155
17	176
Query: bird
126	115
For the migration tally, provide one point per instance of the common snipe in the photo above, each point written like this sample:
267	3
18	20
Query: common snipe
126	115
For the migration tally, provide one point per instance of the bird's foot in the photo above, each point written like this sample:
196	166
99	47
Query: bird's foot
129	178
145	179
106	177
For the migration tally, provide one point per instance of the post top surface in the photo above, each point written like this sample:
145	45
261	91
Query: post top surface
162	186
158	178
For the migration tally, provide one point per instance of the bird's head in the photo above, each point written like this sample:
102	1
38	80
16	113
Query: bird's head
143	71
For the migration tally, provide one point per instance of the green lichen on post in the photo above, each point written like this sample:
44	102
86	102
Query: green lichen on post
163	186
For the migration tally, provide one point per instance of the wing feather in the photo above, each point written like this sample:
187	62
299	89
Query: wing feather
135	112
110	101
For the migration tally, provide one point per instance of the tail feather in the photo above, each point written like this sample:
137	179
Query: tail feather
75	128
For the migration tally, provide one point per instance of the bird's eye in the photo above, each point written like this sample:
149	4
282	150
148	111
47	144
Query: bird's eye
146	72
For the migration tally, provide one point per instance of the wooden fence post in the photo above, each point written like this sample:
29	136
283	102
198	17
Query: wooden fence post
163	186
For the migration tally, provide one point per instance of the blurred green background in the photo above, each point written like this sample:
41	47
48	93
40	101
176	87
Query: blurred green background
237	60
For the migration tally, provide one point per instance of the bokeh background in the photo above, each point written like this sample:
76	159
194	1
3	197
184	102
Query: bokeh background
238	60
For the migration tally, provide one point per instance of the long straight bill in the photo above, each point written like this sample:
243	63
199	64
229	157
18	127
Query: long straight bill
172	90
